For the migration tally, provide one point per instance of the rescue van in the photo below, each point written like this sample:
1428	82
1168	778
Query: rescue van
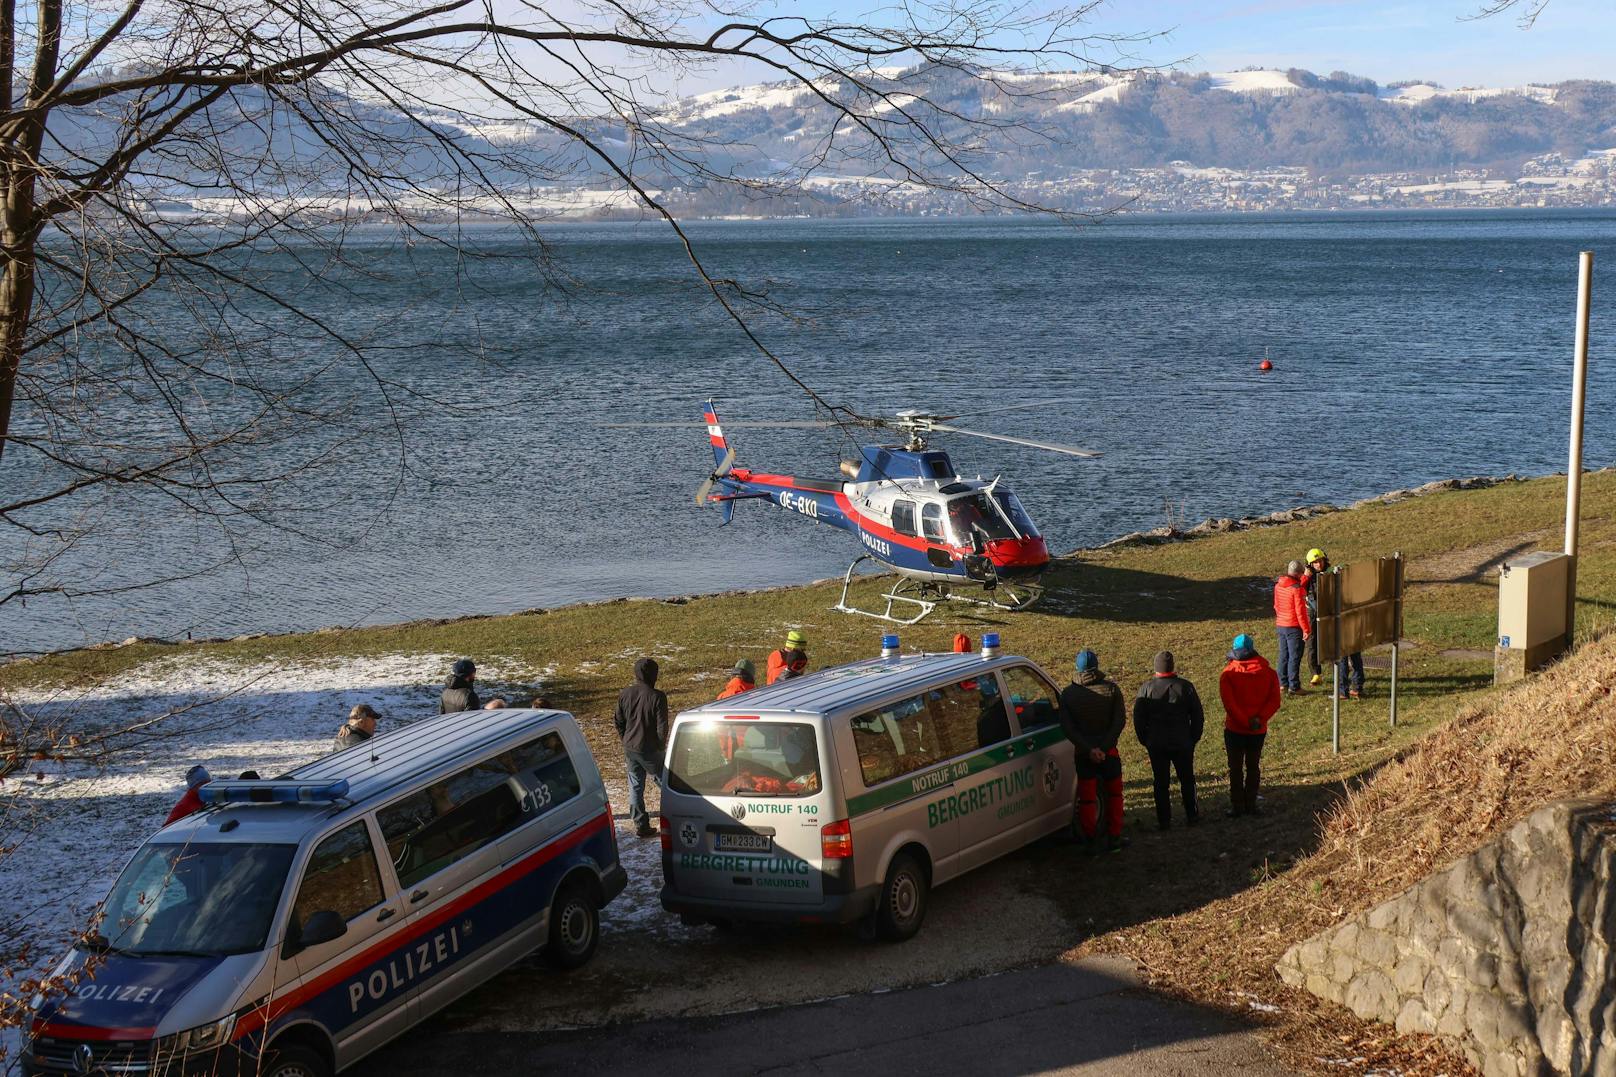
293	926
848	794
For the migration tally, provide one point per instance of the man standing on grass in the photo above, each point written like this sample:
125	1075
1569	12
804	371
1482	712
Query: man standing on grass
1291	621
1250	692
642	721
1168	720
1092	714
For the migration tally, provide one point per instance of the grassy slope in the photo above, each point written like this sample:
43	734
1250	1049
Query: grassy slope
1126	603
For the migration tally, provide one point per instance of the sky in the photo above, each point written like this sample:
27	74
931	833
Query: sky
1386	40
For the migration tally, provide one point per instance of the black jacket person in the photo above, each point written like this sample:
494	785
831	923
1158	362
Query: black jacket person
1093	716
641	719
1168	720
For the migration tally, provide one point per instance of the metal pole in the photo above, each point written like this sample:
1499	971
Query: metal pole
1335	708
1397	632
1335	677
1579	383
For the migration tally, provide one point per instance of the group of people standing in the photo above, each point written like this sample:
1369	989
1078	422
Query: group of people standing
1296	619
1168	719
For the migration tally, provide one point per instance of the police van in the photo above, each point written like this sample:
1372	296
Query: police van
848	794
295	925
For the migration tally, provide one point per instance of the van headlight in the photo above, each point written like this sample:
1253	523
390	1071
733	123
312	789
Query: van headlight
201	1038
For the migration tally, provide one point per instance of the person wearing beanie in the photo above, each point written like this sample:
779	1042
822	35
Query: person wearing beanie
1168	720
1093	716
191	800
1294	627
641	720
791	660
459	691
962	643
1250	691
743	678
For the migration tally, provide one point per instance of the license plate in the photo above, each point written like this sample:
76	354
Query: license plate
742	843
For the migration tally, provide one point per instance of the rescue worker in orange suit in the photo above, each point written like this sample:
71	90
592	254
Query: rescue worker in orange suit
744	679
1250	690
790	660
1093	715
962	643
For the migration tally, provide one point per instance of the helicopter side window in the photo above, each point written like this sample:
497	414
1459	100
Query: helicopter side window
903	518
931	521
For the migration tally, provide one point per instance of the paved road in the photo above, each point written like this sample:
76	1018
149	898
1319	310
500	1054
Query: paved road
1089	1018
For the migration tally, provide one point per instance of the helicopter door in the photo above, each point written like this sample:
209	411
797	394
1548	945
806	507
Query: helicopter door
932	530
903	518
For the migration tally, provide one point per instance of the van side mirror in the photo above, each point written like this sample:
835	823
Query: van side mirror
322	927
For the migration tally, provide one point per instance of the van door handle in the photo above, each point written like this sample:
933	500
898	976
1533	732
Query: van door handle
418	895
384	916
1030	745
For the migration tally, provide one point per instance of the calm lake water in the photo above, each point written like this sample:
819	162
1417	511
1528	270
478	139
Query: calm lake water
1407	348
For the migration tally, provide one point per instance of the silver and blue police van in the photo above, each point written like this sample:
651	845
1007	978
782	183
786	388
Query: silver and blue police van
295	925
848	794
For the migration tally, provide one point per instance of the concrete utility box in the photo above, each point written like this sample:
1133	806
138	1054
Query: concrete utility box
1532	629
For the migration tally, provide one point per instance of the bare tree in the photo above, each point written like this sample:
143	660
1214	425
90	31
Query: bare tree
175	173
1527	11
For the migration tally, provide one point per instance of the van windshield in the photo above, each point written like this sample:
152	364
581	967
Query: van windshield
778	759
204	899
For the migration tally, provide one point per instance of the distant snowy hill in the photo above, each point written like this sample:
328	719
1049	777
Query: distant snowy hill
1026	128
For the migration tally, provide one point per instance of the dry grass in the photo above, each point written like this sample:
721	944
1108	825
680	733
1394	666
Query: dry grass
1547	739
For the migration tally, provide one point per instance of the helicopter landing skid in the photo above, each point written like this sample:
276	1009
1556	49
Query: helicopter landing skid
925	596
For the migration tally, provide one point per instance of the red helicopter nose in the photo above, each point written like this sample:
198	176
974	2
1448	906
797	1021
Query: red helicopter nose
1018	555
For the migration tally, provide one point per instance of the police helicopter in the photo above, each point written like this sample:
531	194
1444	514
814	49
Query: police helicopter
947	537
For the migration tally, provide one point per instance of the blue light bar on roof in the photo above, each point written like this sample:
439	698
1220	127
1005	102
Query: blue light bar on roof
273	792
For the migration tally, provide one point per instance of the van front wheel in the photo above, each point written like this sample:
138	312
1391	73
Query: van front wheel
903	899
574	929
293	1060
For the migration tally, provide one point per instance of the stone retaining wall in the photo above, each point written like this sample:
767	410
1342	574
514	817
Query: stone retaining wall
1510	952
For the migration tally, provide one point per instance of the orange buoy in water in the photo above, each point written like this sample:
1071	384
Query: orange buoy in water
1266	364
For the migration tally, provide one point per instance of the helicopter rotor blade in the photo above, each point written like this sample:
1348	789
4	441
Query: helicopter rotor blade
784	424
1047	446
707	484
1018	407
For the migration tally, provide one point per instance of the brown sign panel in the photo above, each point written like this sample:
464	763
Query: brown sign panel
1359	606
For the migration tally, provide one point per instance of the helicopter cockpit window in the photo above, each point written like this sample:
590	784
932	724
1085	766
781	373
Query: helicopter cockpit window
972	513
931	521
1011	504
903	518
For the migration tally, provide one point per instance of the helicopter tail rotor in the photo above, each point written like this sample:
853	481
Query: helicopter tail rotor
725	464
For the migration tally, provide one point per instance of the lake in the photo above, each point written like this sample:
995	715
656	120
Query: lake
1406	348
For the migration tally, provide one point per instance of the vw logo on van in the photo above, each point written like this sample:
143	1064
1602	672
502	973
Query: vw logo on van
739	812
83	1058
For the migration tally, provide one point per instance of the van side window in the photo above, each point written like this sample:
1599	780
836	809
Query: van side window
341	877
900	738
903	517
547	771
453	818
1035	701
931	521
969	714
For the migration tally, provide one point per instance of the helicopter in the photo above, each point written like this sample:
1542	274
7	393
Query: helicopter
947	537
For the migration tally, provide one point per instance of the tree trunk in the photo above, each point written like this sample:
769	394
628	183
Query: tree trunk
17	234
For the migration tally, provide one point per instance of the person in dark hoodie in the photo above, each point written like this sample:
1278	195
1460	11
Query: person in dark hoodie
642	721
1250	690
460	692
1093	714
1168	720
